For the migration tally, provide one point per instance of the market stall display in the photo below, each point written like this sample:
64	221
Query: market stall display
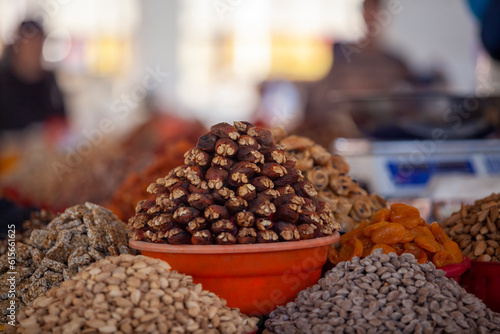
400	230
350	203
236	186
384	293
132	294
69	243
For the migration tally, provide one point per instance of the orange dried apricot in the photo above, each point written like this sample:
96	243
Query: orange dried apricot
356	233
411	222
351	248
421	231
370	228
385	248
438	233
412	248
443	258
333	255
399	248
399	211
407	237
423	258
452	248
389	234
380	215
429	244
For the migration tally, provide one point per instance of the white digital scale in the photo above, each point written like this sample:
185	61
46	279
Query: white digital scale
407	169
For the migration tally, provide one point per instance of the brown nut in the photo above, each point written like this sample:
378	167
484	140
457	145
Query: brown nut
247	192
242	126
262	183
177	236
245	219
225	130
286	231
248	141
197	224
184	215
201	188
288	189
194	174
262	207
263	224
207	142
306	231
222	162
246	235
267	236
226	147
180	190
287	212
222	195
264	136
223	225
250	154
277	156
305	189
167	204
203	237
196	156
225	238
273	170
216	212
200	201
216	177
144	205
289	198
236	204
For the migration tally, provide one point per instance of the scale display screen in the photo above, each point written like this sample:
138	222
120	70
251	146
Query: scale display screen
407	174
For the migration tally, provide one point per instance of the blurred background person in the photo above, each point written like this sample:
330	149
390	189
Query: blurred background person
28	93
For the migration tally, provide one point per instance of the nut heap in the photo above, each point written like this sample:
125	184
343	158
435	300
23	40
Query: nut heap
132	294
236	186
81	235
384	294
328	173
38	220
399	230
476	229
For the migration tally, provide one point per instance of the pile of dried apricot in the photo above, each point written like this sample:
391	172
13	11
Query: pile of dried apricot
399	229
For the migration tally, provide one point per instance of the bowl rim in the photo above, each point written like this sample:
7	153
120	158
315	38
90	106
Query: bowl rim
232	249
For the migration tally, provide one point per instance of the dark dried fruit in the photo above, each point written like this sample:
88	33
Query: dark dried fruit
200	201
225	238
223	225
203	237
216	177
245	219
184	215
207	142
225	130
216	212
236	204
262	183
246	236
226	147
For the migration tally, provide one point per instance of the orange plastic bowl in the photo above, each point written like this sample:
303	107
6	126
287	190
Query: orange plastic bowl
483	280
455	271
255	278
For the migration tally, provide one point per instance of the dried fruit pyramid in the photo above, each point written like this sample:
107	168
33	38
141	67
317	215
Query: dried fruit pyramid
237	186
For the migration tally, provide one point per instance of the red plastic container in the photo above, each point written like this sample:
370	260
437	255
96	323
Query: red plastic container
483	280
455	271
255	278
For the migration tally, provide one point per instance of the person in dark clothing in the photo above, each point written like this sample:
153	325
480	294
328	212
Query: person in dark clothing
28	93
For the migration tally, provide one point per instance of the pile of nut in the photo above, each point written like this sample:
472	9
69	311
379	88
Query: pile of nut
384	294
328	173
81	235
38	220
476	229
131	294
236	186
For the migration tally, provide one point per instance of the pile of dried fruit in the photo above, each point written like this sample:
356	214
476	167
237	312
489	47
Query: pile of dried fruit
384	293
476	229
38	220
236	186
132	294
81	235
328	173
401	230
